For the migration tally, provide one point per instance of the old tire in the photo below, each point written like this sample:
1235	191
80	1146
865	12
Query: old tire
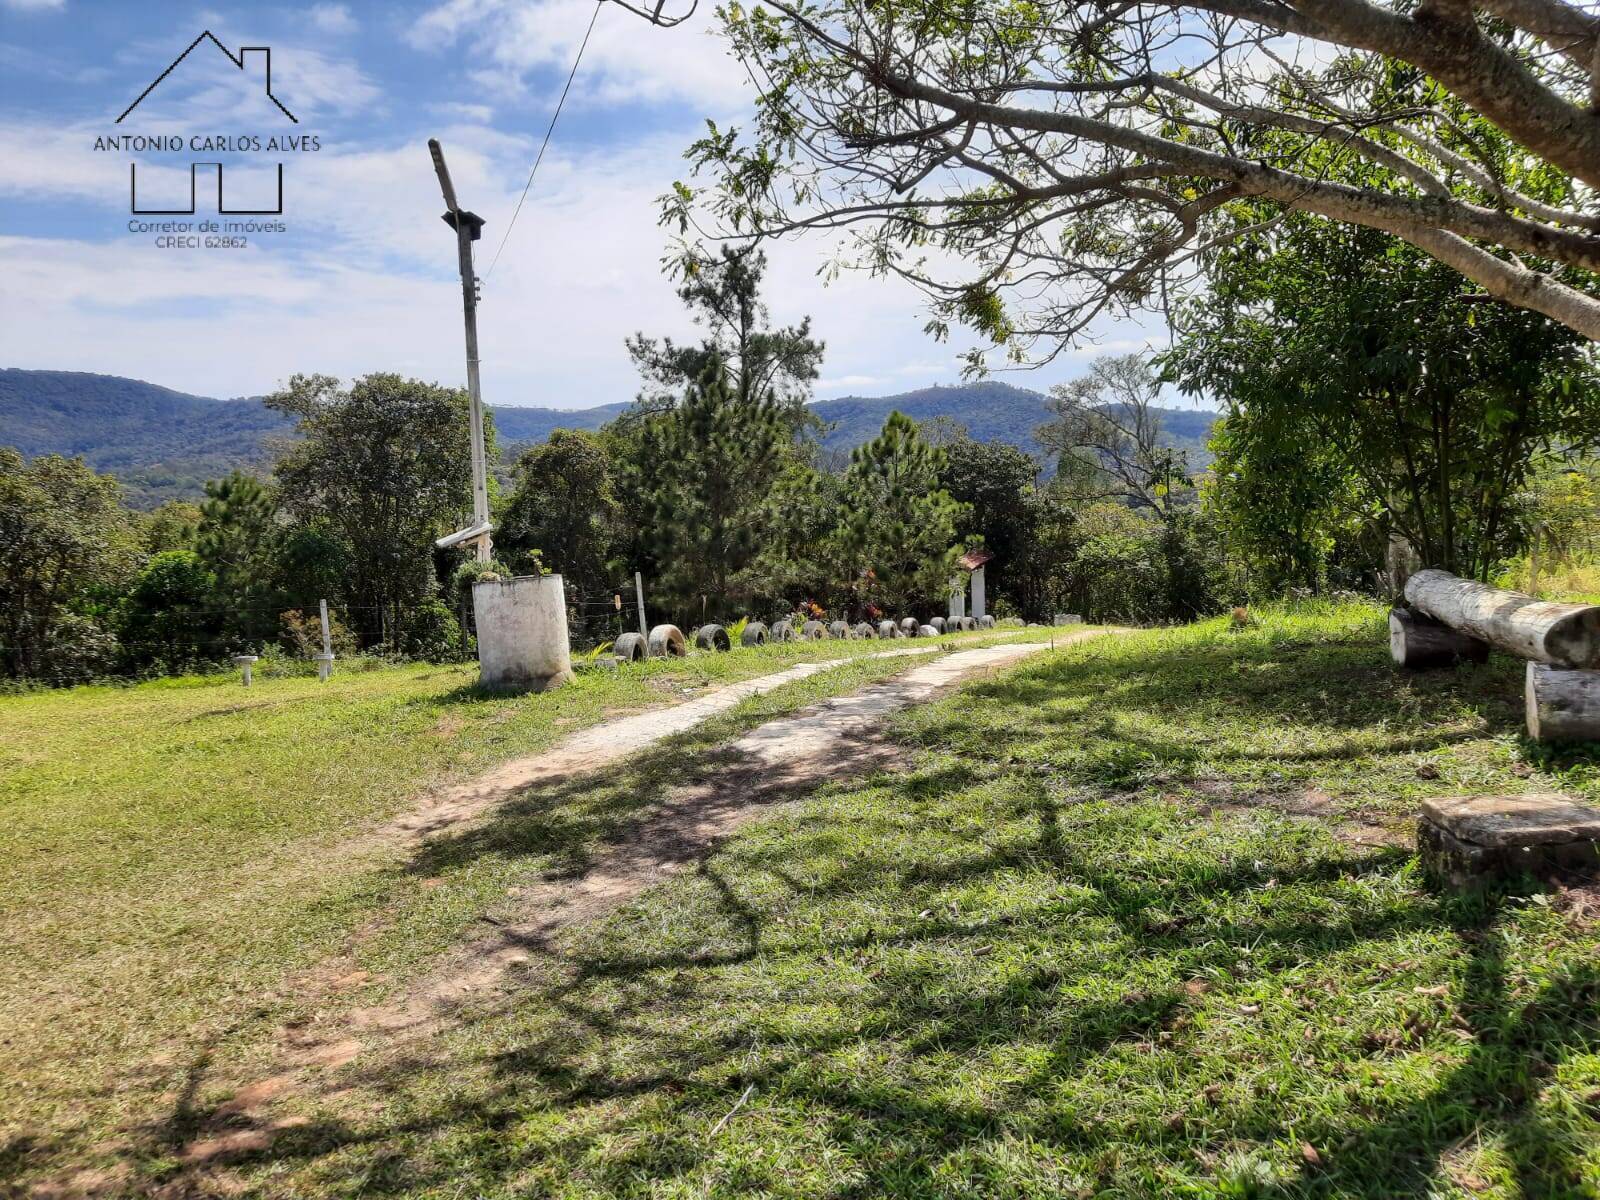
712	637
909	626
813	631
755	634
888	629
985	622
865	630
631	647
666	641
840	629
782	631
938	624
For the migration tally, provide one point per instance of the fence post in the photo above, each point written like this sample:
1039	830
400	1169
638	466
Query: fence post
638	591
325	659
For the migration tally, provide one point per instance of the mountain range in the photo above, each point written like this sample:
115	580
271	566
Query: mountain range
164	445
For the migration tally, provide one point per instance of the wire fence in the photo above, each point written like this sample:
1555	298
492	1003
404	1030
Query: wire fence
184	637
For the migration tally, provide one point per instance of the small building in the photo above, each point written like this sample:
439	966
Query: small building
972	566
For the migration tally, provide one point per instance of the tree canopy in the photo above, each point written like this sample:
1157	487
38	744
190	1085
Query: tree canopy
1036	167
1341	340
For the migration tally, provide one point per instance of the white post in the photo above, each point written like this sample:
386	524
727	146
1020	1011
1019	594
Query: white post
958	596
243	662
325	659
977	594
638	592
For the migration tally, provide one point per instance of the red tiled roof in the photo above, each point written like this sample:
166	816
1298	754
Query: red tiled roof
973	559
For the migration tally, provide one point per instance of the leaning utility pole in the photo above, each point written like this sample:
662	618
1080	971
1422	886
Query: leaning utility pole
469	228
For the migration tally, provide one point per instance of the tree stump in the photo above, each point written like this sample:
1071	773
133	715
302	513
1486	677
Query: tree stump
1563	706
1420	643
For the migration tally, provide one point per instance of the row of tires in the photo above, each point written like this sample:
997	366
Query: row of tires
668	641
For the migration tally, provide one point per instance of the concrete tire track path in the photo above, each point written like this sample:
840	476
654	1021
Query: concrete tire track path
836	739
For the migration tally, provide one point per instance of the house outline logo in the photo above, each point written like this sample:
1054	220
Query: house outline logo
236	59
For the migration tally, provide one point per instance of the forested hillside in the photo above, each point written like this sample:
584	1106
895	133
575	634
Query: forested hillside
164	444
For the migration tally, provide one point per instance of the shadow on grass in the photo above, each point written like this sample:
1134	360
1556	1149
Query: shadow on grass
618	1061
603	1044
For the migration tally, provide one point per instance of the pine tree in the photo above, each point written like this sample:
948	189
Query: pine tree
705	470
899	524
235	545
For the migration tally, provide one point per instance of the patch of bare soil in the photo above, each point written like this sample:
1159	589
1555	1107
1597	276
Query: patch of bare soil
1356	827
837	739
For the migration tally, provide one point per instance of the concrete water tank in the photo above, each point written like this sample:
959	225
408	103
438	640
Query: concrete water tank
522	632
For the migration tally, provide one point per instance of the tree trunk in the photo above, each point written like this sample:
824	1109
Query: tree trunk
1563	706
1420	643
1564	635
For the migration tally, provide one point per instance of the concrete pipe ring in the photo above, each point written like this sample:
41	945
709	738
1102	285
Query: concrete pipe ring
712	637
631	647
666	641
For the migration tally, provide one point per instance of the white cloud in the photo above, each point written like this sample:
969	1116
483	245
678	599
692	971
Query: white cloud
479	114
627	60
34	5
332	19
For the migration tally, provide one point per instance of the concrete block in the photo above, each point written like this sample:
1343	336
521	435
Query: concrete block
1468	840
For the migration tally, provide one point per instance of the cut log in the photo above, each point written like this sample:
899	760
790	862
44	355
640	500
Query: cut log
1564	635
1563	706
1421	643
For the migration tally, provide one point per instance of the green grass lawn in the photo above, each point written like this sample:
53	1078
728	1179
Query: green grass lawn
1141	921
170	853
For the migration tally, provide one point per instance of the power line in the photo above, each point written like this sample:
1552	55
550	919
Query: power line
539	158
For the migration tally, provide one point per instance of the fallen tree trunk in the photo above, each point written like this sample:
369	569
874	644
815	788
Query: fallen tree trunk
1563	706
1420	643
1564	635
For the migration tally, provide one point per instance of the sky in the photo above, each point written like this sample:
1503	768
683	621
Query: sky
358	273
